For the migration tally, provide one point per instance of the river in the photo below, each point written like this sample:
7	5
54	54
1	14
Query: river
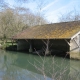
23	66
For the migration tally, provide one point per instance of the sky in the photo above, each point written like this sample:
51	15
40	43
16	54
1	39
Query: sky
50	9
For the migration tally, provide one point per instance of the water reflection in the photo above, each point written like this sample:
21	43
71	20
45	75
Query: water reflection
20	66
13	66
75	69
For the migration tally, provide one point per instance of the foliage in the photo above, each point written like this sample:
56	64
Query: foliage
15	20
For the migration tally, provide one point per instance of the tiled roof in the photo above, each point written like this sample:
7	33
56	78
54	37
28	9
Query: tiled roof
50	31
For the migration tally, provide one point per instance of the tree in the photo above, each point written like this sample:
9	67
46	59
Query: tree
6	20
40	12
32	20
3	5
37	18
10	23
16	20
70	16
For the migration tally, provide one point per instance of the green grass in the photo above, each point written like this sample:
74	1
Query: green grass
7	43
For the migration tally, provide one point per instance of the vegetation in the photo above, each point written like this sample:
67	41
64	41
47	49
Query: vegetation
14	20
56	69
73	15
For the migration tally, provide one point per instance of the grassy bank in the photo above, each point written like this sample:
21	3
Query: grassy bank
8	44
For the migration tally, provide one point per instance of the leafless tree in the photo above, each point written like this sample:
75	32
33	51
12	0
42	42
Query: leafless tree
40	12
32	20
10	24
14	20
70	16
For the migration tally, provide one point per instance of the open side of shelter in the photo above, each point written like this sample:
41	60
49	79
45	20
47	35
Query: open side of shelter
54	46
58	38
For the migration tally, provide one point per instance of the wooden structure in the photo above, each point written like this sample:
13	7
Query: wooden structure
63	37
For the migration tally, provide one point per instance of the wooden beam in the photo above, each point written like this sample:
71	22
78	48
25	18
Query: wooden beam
74	49
26	40
67	42
79	43
75	35
76	42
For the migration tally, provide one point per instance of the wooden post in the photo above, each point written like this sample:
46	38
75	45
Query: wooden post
30	49
76	45
79	43
76	42
47	42
67	42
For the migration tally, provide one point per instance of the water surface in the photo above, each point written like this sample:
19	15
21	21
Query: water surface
21	66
